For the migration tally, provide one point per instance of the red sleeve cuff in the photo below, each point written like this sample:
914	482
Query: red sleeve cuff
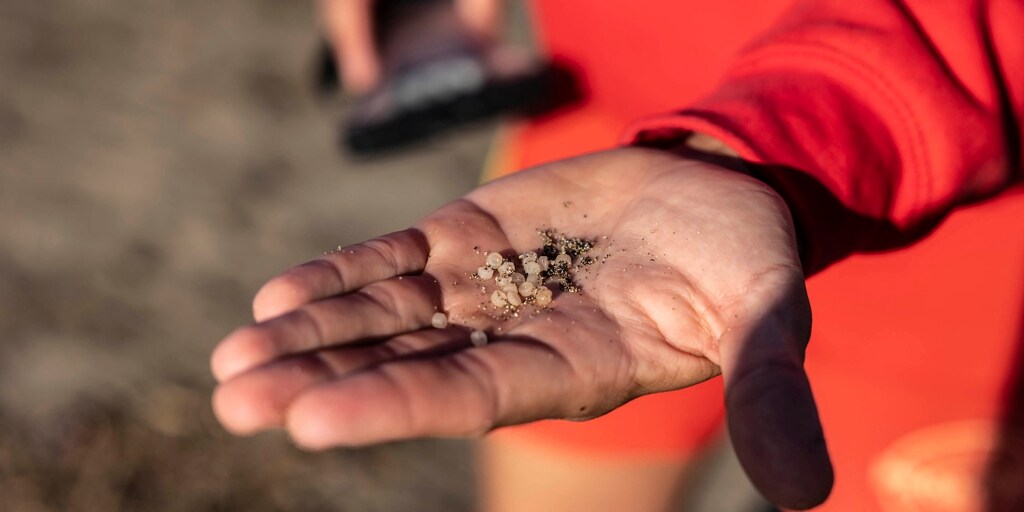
832	162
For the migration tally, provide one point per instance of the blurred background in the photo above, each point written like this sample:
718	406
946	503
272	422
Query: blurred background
158	161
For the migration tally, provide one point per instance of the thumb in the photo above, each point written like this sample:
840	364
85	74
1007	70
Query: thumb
771	414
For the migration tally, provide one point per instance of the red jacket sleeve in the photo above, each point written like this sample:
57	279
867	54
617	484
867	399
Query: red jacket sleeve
872	118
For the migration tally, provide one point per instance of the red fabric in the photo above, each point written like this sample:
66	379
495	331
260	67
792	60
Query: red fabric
874	119
926	339
902	110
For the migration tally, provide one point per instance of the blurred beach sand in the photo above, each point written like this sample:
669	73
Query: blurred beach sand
159	161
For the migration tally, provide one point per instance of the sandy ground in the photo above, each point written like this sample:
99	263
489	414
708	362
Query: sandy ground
158	161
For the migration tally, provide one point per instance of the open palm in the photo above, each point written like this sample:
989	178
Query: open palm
697	274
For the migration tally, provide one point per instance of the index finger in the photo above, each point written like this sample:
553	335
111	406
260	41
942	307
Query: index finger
347	269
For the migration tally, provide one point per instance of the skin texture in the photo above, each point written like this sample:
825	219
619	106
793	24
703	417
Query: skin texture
701	278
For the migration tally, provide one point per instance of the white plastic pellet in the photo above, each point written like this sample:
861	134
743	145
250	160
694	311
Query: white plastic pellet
542	297
533	278
564	258
531	267
509	288
527	289
513	298
498	298
494	260
478	338
439	320
507	268
517	278
485	272
502	280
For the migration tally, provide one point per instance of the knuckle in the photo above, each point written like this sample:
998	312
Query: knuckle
386	250
392	301
314	326
324	266
382	296
485	407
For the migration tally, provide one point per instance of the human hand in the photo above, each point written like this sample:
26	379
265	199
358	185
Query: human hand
349	26
701	277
